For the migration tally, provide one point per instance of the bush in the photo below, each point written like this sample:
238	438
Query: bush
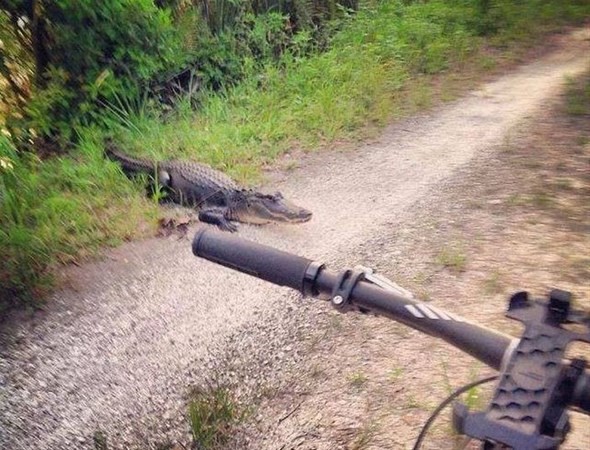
89	52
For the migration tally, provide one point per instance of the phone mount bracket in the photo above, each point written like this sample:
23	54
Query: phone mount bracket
528	408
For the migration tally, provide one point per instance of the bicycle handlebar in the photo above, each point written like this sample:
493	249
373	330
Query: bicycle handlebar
311	278
267	263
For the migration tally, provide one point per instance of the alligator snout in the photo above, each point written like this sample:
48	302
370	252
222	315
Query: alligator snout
303	215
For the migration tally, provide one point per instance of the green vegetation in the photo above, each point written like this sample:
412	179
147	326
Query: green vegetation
357	380
69	68
578	96
213	414
59	210
493	283
453	258
227	83
364	436
100	440
62	58
395	373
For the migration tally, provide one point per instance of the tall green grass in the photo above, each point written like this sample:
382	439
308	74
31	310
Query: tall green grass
379	65
57	211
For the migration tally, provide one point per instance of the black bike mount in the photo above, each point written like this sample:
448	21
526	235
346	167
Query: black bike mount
528	408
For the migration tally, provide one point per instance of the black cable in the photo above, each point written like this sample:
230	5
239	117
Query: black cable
442	406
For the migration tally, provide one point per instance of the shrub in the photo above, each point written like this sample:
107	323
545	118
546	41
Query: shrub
86	52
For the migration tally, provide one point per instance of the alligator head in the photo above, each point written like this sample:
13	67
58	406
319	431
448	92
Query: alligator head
257	208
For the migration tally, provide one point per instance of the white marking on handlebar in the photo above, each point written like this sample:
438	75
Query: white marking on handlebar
456	318
426	310
422	311
415	311
443	315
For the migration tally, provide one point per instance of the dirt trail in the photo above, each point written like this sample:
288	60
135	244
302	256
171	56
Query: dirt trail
116	350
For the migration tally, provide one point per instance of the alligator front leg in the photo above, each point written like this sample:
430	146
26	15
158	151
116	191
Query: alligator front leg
216	216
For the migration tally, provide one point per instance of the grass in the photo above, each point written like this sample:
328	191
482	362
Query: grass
60	211
563	183
542	199
390	59
453	258
577	96
100	441
493	284
477	397
412	402
381	65
213	413
516	200
395	373
357	380
364	437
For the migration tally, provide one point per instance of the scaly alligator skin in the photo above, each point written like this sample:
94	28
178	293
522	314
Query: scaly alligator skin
219	199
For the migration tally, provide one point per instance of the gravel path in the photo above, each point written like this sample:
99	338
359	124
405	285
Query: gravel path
117	348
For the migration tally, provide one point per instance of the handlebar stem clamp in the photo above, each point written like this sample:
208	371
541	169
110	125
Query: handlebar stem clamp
309	279
343	287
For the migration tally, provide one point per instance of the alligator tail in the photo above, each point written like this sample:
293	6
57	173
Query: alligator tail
127	162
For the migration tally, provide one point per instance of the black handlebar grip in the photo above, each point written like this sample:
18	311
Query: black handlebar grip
255	259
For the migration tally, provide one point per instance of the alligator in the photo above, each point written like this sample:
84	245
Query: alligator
219	199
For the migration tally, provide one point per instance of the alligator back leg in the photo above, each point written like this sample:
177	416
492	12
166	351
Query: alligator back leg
217	216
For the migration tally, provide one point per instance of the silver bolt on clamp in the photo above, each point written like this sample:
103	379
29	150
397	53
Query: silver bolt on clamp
383	282
337	300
